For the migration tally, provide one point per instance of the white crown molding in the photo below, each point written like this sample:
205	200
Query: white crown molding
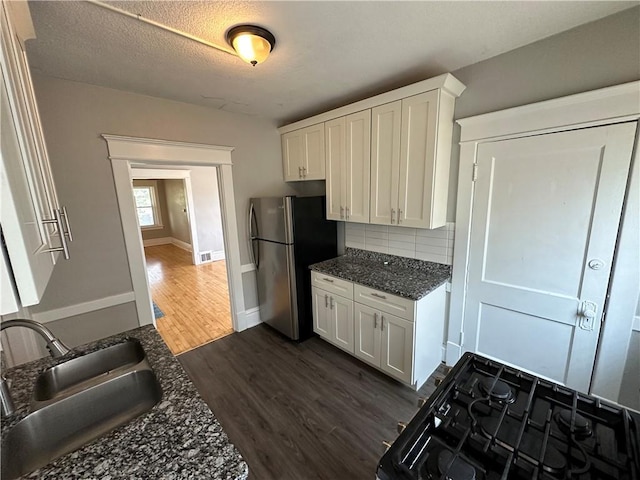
446	82
166	152
142	173
598	107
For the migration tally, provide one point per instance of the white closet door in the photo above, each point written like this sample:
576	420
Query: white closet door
546	211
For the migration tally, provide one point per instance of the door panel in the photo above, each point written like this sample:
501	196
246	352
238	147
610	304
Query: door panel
385	161
397	346
341	315
274	293
417	159
335	168
270	219
358	166
545	208
320	307
367	334
313	159
292	152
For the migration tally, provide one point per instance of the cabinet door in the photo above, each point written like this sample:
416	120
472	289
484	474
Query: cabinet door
320	306
385	162
292	153
313	159
335	167
341	318
418	160
367	345
358	166
397	347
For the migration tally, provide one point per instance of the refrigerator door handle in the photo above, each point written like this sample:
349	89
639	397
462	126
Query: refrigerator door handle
255	258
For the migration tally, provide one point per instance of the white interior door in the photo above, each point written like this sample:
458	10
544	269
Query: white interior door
545	219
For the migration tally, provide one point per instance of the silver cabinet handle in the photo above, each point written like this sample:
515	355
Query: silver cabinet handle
393	214
399	216
341	212
331	303
327	280
375	320
299	172
347	212
374	294
382	323
326	301
304	172
65	215
64	248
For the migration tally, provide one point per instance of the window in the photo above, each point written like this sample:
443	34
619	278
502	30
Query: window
147	206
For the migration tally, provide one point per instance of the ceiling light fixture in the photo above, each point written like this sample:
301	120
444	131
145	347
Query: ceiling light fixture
252	43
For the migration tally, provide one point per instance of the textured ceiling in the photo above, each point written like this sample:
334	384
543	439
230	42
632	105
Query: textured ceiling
327	53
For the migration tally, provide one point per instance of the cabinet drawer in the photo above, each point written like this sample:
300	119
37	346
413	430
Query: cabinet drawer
331	284
401	307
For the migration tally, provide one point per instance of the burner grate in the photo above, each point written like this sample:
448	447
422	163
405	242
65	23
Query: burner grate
489	421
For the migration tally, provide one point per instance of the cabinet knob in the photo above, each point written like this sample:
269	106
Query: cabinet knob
401	426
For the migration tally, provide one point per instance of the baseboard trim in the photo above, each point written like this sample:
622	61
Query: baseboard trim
82	308
181	244
218	255
252	317
152	242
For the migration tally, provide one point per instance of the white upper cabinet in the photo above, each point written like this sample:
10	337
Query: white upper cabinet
385	162
411	146
347	150
31	218
387	157
303	154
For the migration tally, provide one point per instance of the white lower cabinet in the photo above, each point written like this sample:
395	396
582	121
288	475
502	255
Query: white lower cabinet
406	344
333	318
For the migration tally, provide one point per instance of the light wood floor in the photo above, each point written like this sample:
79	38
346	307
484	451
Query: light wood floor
194	299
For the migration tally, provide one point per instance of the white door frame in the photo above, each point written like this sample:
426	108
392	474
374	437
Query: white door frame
599	107
142	172
125	151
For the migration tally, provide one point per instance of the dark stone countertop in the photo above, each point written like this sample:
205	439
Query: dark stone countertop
179	438
405	277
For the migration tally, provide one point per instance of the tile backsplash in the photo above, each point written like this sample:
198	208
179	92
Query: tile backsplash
431	245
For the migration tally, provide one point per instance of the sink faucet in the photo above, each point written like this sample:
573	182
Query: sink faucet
54	345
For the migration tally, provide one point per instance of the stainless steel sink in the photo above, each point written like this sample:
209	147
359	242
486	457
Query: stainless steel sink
79	373
63	425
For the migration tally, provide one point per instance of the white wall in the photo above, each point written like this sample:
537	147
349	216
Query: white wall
176	198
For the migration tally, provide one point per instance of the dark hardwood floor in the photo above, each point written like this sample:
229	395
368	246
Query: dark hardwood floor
300	411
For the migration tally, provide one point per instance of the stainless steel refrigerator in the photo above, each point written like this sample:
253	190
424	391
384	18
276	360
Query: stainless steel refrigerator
286	235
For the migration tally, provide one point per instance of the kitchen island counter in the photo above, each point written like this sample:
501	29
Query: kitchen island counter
405	277
178	438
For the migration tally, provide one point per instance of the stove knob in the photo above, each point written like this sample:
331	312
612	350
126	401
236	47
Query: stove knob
387	445
421	402
401	426
447	369
438	381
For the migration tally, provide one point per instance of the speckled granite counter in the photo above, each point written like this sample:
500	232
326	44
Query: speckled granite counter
179	438
405	277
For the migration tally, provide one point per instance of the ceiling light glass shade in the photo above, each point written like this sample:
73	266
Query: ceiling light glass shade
253	44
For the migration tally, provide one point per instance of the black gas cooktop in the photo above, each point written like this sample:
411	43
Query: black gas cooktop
490	421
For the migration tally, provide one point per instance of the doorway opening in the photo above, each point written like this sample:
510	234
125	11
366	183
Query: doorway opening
126	153
180	225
